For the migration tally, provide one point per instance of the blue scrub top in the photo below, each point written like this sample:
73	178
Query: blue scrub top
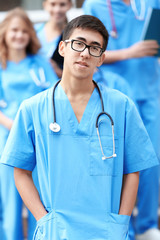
113	80
16	84
142	74
80	190
47	48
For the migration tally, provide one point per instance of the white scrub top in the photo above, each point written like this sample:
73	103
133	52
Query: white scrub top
48	47
16	84
80	190
142	74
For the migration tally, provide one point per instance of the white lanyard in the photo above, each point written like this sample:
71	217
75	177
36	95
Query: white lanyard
141	15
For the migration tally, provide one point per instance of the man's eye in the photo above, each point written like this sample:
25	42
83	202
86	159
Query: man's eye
95	49
79	44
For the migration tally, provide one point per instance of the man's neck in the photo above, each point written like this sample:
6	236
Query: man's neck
16	55
77	87
78	92
53	30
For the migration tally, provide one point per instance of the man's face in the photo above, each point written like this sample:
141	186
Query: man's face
81	64
57	9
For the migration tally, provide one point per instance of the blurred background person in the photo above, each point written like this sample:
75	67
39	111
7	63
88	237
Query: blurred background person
50	33
134	60
23	73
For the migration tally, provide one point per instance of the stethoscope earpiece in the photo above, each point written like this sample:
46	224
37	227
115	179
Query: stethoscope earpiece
54	127
104	157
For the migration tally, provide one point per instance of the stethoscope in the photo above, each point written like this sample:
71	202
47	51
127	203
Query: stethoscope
39	80
55	127
140	16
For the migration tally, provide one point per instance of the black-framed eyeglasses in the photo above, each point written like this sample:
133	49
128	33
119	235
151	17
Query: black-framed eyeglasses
80	46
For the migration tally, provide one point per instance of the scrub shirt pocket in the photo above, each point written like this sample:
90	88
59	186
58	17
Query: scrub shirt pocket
118	226
97	166
43	226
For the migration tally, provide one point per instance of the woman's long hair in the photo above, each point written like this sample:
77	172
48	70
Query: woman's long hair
33	45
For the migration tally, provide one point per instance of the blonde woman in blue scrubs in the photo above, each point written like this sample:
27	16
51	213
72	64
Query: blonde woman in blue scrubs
134	60
87	182
23	74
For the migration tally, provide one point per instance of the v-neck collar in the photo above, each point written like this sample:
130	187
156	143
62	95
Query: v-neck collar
83	125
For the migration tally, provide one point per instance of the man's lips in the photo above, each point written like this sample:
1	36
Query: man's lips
83	64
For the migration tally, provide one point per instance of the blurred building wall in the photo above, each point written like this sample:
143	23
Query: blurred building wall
29	4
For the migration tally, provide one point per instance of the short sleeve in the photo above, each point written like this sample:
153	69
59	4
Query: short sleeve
20	149
138	151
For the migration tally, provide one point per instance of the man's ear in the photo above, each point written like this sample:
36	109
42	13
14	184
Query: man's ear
61	48
101	59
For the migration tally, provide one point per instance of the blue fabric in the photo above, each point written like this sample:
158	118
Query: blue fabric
16	84
104	226
1	229
113	80
11	204
148	193
86	200
48	47
142	74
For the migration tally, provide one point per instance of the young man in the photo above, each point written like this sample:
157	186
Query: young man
88	178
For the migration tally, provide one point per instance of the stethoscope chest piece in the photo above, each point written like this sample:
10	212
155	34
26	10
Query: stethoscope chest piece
113	34
54	127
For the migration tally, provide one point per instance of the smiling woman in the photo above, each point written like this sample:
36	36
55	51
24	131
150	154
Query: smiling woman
17	31
23	73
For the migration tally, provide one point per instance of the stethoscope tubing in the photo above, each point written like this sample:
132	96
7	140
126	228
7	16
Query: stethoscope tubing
140	16
102	104
55	127
53	101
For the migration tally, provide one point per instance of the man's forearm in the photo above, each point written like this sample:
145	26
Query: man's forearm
5	121
115	56
29	193
137	50
129	193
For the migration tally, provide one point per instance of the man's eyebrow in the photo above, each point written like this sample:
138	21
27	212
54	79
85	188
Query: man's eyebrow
92	43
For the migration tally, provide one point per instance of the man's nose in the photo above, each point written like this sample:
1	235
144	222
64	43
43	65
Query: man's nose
85	52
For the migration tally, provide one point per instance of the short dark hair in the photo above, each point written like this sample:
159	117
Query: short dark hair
87	22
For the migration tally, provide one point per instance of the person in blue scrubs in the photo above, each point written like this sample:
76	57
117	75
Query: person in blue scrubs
134	60
23	73
49	33
113	80
87	182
